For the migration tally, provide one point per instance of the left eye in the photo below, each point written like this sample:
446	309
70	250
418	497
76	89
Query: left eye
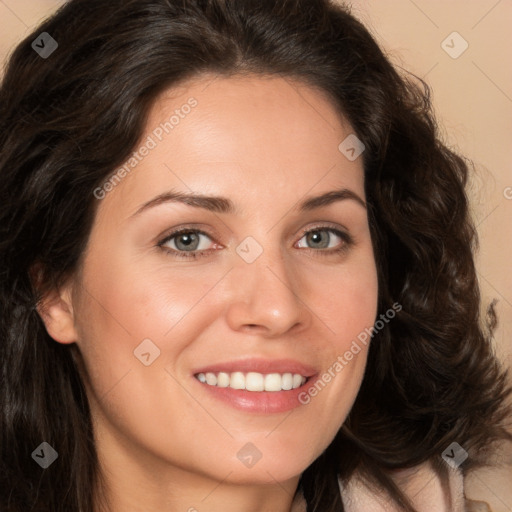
321	237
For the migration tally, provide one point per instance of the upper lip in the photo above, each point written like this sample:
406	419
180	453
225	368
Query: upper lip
260	366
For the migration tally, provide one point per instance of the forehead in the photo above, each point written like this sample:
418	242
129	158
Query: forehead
272	136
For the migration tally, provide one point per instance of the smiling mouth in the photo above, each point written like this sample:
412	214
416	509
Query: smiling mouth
253	381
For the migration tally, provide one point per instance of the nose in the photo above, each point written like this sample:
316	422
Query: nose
267	297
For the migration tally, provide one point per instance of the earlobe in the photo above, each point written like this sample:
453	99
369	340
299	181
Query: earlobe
56	311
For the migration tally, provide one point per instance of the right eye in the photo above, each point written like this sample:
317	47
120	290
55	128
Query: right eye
185	243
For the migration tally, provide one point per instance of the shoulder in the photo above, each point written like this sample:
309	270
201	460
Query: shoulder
421	484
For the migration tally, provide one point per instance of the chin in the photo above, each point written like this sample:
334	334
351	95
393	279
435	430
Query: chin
267	473
280	464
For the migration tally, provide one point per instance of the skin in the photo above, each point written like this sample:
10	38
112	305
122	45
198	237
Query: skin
164	443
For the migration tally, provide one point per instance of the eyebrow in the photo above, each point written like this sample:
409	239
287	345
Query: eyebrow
220	204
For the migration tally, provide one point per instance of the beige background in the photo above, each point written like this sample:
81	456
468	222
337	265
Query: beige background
473	100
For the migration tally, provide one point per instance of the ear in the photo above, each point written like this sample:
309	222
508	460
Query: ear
56	310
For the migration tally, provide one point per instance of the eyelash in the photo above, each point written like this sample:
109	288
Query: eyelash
347	239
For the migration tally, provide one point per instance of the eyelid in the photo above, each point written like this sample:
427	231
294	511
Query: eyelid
197	228
324	225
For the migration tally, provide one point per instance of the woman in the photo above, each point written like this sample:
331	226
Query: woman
171	336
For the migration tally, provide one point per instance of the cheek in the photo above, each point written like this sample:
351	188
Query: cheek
346	302
125	303
123	310
345	298
134	301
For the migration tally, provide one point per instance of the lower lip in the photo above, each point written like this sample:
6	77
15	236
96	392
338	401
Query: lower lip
267	402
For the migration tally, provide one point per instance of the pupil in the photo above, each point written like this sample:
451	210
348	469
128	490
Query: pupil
316	237
186	239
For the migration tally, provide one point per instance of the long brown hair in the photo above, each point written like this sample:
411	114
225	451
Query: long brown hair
69	119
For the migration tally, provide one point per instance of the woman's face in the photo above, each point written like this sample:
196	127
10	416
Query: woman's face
265	281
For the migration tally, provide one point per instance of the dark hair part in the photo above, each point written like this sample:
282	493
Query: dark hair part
66	122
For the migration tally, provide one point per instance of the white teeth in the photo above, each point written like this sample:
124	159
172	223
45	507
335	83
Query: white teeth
273	382
253	381
211	379
223	380
237	380
297	380
287	381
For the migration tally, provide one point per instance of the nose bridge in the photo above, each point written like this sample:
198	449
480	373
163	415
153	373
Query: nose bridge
265	292
263	262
